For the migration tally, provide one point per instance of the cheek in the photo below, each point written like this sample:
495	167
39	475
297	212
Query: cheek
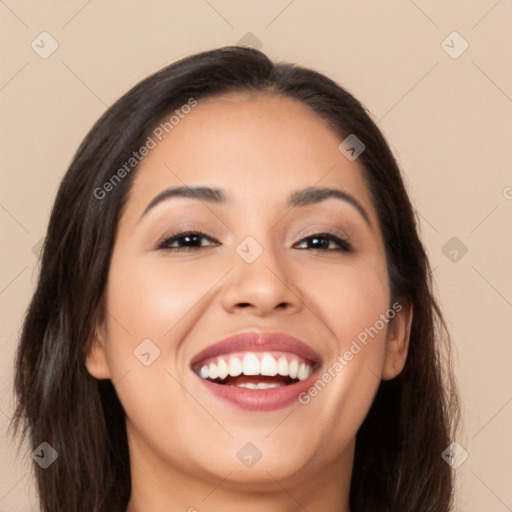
152	305
155	299
352	302
351	298
149	298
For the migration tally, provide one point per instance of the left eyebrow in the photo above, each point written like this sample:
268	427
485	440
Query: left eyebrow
313	195
304	197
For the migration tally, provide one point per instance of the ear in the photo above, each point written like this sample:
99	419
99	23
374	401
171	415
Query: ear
397	339
97	361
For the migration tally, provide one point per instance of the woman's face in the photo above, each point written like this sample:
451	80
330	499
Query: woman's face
269	262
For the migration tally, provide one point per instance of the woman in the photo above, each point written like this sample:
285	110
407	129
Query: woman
234	307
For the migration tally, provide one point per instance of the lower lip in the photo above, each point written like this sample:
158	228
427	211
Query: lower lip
259	399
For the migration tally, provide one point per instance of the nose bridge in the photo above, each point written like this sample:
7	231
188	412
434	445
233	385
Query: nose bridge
261	259
262	277
260	246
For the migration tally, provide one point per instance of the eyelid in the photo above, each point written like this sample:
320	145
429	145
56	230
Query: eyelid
344	243
175	235
324	229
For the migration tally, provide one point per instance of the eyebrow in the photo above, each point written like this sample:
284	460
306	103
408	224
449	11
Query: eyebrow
304	197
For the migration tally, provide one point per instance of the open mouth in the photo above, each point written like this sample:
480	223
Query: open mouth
255	370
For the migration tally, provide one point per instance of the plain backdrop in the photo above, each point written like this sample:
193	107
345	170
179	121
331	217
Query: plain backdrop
436	77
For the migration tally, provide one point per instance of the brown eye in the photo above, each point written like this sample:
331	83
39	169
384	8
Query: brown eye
186	240
324	242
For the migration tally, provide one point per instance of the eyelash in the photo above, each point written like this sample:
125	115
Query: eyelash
343	245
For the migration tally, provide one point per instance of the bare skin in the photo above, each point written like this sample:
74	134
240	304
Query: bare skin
184	441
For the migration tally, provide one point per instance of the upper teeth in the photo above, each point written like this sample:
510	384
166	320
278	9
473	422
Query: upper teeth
251	364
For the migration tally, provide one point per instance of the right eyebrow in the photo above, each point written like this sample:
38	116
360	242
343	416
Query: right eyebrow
212	195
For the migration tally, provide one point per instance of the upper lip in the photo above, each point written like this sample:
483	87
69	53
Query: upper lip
258	342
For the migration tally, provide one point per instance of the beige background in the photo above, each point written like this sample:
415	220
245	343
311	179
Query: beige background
448	120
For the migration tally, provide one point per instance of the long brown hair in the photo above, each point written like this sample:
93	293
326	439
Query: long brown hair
398	465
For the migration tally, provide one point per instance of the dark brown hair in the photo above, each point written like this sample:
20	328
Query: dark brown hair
398	465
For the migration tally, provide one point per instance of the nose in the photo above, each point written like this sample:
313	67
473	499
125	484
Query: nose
264	287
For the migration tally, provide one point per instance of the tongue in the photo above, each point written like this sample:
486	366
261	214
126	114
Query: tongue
255	379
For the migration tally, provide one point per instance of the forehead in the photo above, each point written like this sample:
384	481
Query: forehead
254	146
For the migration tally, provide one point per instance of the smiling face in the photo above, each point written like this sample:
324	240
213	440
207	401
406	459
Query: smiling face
263	254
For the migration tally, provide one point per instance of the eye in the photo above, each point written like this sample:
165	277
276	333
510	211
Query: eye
186	241
325	242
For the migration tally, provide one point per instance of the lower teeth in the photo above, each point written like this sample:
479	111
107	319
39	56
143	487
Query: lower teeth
259	385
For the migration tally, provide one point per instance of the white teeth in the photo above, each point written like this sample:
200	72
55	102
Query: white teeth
303	372
282	366
293	369
214	371
235	367
268	365
251	365
259	385
250	385
256	364
223	368
267	385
